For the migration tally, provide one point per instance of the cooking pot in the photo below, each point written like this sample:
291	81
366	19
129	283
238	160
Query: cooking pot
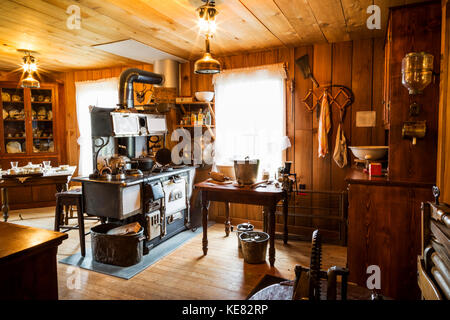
246	171
163	156
142	163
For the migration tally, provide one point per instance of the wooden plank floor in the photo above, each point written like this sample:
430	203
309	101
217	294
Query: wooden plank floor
185	273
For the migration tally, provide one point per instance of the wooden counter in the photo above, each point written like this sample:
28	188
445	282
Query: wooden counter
384	230
28	262
357	176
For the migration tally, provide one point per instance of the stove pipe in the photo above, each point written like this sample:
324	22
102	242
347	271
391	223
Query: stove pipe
170	70
126	80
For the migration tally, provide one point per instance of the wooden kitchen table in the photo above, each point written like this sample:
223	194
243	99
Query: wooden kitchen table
267	197
59	179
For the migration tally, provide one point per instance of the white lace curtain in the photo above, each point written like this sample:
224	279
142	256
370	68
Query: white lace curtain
250	115
101	93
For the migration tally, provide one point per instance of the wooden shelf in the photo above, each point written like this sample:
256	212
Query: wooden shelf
195	103
42	120
40	102
15	138
14	120
192	126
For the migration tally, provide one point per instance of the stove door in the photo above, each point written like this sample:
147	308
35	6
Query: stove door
174	195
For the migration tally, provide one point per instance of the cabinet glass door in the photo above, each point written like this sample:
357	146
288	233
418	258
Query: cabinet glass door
42	120
14	130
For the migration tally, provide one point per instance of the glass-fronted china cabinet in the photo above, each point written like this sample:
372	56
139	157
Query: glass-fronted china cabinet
29	131
28	121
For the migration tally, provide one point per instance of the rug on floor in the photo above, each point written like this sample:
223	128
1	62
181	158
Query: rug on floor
155	254
266	281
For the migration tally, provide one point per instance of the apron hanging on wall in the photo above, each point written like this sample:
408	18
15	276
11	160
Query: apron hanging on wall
340	149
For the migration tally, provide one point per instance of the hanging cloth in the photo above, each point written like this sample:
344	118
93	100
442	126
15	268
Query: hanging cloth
340	149
324	126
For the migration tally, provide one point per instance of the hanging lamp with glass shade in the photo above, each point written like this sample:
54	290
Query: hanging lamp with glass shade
207	64
30	82
29	67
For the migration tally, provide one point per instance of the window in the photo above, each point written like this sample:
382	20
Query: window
103	94
250	115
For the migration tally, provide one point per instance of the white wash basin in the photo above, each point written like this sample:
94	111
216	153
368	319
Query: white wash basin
369	152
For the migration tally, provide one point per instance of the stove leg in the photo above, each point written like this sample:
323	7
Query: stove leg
205	222
5	206
227	219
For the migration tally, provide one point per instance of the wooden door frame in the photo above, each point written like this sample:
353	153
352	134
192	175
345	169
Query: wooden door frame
443	166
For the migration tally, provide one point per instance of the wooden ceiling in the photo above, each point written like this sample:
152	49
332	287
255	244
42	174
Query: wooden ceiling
171	26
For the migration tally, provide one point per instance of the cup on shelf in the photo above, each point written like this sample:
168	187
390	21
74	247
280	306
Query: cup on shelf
14	165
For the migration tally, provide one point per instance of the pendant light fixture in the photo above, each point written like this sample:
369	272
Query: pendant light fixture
207	64
207	23
29	68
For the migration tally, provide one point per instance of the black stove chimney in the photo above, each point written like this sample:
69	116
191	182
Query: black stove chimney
126	80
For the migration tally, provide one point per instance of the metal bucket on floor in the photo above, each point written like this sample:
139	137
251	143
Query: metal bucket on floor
119	250
254	246
243	227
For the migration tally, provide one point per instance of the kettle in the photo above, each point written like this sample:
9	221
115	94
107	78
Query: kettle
118	163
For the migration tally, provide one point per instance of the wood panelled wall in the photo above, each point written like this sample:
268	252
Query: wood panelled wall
69	79
358	65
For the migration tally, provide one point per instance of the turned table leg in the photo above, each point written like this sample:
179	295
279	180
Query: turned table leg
285	216
205	222
272	210
5	206
265	214
227	219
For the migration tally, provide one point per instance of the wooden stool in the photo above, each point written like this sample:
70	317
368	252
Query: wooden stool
69	199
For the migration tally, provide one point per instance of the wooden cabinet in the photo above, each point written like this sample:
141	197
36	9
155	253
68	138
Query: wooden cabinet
31	130
384	213
384	230
412	28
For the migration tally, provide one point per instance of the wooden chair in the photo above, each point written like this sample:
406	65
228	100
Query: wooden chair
315	284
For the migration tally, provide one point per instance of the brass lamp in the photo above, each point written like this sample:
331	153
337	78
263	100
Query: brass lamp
29	67
30	82
417	71
207	64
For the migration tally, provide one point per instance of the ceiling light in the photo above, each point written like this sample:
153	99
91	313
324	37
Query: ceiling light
30	82
207	64
207	18
29	67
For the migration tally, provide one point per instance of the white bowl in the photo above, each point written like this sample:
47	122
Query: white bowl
369	152
204	96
